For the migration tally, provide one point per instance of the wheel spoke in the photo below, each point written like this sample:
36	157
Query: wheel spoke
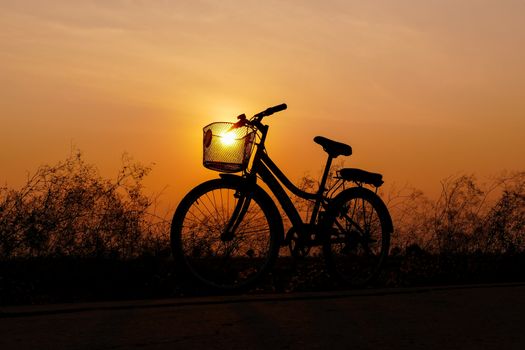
356	252
218	261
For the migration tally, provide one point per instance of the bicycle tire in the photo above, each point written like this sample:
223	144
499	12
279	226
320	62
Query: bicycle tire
225	265
357	230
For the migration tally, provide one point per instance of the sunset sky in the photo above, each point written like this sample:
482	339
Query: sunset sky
420	89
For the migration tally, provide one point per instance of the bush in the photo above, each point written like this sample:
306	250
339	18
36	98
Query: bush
69	210
466	218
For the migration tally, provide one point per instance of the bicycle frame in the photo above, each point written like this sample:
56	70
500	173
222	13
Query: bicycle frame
272	176
228	244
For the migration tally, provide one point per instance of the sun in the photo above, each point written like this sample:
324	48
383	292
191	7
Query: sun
228	138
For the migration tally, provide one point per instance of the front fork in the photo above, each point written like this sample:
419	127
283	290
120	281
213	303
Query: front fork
238	214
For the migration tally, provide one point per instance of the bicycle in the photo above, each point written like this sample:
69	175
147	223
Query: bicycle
226	233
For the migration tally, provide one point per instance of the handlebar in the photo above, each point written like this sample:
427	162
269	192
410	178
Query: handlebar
271	110
257	117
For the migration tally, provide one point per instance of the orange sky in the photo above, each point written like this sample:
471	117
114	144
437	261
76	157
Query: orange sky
420	89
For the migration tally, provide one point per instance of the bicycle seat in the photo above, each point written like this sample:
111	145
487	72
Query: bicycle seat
358	175
333	148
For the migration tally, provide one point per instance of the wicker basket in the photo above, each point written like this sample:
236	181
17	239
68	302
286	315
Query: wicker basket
225	149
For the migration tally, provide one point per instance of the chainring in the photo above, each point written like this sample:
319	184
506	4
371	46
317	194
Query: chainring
297	246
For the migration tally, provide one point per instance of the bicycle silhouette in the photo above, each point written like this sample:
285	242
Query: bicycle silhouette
226	233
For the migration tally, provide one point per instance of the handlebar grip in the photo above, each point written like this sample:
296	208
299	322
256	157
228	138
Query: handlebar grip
276	109
271	110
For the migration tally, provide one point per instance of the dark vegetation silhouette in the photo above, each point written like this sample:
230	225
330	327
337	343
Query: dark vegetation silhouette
467	218
69	234
69	210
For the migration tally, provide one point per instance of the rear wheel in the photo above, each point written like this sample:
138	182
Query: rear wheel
358	228
232	261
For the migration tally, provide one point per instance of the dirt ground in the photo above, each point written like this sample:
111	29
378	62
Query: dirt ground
458	317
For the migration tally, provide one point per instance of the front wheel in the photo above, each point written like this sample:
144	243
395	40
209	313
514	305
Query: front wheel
215	253
357	231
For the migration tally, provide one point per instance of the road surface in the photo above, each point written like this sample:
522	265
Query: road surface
462	317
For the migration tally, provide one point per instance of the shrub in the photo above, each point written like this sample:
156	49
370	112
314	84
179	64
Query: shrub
69	210
467	217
